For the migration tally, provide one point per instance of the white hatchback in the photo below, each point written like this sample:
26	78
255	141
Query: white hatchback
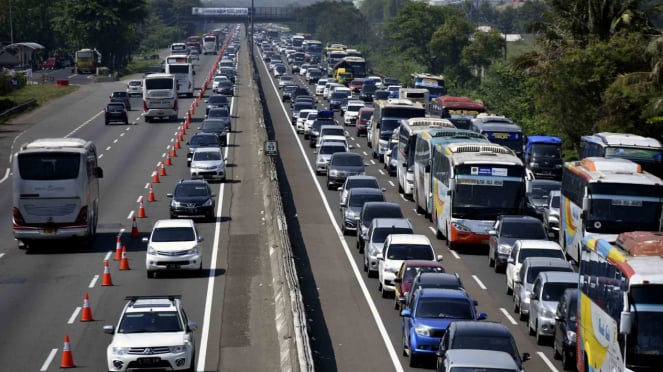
208	163
173	245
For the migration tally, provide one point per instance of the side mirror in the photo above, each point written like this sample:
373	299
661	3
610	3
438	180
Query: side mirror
439	258
145	239
169	194
526	357
406	313
482	316
192	326
109	329
492	232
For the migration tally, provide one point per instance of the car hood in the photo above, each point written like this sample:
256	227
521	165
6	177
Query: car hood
151	339
347	168
508	241
207	163
174	246
355	211
435	323
192	199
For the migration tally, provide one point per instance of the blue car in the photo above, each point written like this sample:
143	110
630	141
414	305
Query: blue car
429	315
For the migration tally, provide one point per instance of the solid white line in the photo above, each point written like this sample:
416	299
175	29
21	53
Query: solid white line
453	253
547	361
6	175
476	279
508	316
386	339
209	297
49	359
73	316
88	121
93	282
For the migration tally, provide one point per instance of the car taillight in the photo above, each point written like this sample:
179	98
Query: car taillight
144	105
18	217
81	219
175	105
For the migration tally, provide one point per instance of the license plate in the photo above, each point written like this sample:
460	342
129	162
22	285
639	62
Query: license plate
50	231
148	361
173	267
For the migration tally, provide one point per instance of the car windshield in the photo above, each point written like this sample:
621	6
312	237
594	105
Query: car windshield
218	113
188	190
213	125
553	291
173	234
361	182
206	155
412	271
328	150
533	271
208	140
150	321
444	308
116	108
379	235
543	190
348	161
486	342
135	83
523	230
358	200
554	253
218	99
410	252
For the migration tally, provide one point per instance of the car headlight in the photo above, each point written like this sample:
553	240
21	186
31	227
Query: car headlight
553	219
120	350
151	250
503	249
176	349
570	336
547	313
422	330
194	250
460	227
391	269
208	203
333	172
175	204
350	214
533	165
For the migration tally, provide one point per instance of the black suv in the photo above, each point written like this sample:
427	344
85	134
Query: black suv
217	101
199	140
116	112
192	198
218	127
121	97
505	232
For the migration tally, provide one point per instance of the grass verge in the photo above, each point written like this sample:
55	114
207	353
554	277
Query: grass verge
41	92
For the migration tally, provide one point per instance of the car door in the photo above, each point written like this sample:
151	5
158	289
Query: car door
385	252
511	266
494	240
534	302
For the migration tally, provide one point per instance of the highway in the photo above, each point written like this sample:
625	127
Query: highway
42	289
351	327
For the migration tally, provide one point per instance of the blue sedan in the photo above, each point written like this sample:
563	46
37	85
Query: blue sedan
426	320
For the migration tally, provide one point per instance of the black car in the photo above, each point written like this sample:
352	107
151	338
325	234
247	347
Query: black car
121	97
538	194
116	112
380	95
371	210
192	198
335	100
463	334
315	129
228	72
341	165
297	107
225	87
216	101
564	340
217	127
367	92
221	114
298	92
201	140
286	93
505	232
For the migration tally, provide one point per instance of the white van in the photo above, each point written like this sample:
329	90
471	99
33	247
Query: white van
55	190
210	44
178	48
184	75
160	97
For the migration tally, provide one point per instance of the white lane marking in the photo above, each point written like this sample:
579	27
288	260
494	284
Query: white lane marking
392	183
386	339
547	361
2	255
130	216
476	279
108	148
108	256
365	153
122	134
115	140
508	316
453	253
209	297
84	123
100	156
49	359
93	282
73	316
7	172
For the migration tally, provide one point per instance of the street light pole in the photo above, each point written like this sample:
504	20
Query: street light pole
11	25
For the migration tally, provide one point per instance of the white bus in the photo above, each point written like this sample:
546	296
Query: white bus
407	138
423	160
473	183
55	190
645	151
160	97
387	117
184	75
620	304
210	44
606	197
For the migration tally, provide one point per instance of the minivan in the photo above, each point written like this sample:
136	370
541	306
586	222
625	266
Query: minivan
546	292
531	267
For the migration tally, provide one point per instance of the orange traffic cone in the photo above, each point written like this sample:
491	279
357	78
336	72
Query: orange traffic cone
86	314
107	280
169	161
162	171
195	102
150	195
155	176
118	249
173	152
134	229
141	209
124	264
180	136
177	145
67	358
182	132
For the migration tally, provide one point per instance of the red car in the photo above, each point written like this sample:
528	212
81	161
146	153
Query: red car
355	85
409	269
363	117
51	63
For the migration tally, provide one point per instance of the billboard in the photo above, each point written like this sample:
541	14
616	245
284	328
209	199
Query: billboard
235	12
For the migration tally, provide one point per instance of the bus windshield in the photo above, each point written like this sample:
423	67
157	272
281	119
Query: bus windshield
49	166
616	208
156	83
512	140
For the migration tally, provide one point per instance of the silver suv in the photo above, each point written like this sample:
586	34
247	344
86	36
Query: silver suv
546	292
378	231
532	266
153	333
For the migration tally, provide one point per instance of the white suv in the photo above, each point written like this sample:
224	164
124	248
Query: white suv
173	245
153	333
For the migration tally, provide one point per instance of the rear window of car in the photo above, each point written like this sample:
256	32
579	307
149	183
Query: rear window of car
115	108
348	161
358	200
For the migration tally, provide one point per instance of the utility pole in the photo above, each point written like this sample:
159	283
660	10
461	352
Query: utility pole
11	25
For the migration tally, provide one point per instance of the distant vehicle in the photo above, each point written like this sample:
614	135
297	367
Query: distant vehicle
425	279
460	110
500	130
551	214
353	204
523	249
408	271
173	245
221	114
87	60
433	83
386	118
537	196
69	163
210	44
160	97
546	292
505	232
200	140
342	165
122	97
543	156
645	151
324	154
217	127
135	88
523	287
391	159
208	163
147	321
564	334
217	101
357	181
363	120
371	210
378	231
51	63
461	360
116	112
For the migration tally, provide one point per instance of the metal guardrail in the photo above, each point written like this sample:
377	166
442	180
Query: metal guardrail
18	108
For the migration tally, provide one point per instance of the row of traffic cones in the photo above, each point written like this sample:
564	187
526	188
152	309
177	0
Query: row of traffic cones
67	360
